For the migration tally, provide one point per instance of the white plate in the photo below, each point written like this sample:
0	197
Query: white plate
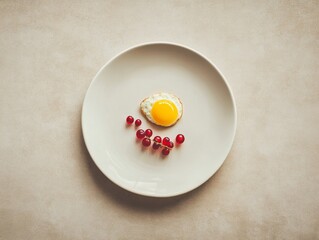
208	122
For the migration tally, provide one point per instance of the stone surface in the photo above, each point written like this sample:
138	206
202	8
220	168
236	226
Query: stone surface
268	187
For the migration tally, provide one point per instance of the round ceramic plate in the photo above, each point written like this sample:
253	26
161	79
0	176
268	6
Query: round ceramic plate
208	121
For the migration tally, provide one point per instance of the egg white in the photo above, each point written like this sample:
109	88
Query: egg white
147	105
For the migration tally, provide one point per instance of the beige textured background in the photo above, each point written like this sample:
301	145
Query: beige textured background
268	187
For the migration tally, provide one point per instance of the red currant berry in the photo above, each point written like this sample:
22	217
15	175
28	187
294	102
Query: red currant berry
157	139
138	122
180	138
156	146
170	145
148	133
166	141
165	151
146	142
140	133
129	120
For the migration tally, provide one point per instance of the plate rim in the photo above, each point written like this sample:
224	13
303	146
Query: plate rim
176	45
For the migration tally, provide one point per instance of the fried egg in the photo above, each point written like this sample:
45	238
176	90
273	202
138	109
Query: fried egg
163	109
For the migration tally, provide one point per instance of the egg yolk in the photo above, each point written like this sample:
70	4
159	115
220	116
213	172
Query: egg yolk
164	112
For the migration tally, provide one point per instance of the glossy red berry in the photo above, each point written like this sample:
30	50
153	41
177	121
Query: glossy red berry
138	122
146	142
166	141
165	151
170	145
157	139
148	133
129	120
140	133
156	146
180	138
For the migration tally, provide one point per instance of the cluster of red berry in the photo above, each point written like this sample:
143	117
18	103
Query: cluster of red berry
166	144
